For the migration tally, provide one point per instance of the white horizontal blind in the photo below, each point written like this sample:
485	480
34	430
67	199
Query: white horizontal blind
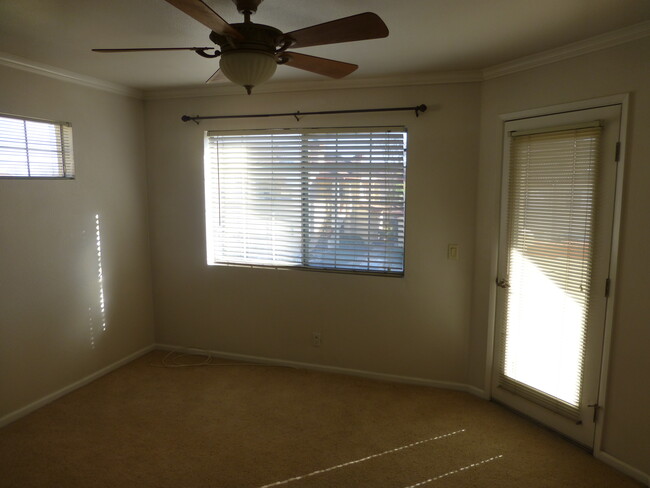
314	199
551	205
37	149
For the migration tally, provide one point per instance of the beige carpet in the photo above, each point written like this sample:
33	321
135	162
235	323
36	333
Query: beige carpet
254	426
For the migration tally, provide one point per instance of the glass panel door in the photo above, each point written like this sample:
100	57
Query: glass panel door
556	233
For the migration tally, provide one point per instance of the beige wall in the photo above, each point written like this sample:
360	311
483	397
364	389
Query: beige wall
616	70
414	326
51	332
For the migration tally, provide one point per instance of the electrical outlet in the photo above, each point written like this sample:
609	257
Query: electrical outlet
315	339
452	252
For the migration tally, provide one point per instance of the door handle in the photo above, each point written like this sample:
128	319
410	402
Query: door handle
503	283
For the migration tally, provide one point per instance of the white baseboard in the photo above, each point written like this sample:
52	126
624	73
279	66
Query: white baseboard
623	467
477	392
329	369
21	412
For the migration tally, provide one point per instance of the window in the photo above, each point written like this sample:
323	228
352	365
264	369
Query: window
316	199
35	148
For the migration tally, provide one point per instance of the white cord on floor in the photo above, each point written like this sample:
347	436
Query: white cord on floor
172	358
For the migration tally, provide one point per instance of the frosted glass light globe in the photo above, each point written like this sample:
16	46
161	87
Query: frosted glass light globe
248	68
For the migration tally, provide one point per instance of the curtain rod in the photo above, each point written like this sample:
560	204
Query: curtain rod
297	115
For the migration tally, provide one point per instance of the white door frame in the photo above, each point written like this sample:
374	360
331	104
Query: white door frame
623	101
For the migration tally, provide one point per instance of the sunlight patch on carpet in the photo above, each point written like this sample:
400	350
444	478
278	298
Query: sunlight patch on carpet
456	471
367	458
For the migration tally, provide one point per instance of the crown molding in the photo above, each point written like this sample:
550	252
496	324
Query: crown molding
592	44
306	86
23	64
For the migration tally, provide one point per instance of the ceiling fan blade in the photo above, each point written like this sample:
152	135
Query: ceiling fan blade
355	28
216	77
200	11
321	66
152	49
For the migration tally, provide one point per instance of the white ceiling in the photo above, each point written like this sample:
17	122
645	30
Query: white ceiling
426	36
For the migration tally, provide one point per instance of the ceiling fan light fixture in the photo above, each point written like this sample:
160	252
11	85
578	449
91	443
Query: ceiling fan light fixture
250	52
248	68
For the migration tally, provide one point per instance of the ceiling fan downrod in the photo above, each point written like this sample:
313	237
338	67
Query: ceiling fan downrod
247	8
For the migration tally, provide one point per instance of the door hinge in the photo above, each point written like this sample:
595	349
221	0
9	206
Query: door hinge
608	284
596	408
617	155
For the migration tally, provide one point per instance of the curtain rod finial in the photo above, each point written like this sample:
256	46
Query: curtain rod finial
187	118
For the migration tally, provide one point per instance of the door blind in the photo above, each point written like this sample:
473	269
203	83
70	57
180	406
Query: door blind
551	202
311	199
35	148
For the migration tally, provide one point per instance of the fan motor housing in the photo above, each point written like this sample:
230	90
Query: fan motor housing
257	37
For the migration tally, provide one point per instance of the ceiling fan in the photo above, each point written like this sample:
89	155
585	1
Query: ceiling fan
250	52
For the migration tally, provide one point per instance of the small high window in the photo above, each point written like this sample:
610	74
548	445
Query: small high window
31	148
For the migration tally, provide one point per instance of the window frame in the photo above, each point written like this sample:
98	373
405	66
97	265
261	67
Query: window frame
303	266
65	148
